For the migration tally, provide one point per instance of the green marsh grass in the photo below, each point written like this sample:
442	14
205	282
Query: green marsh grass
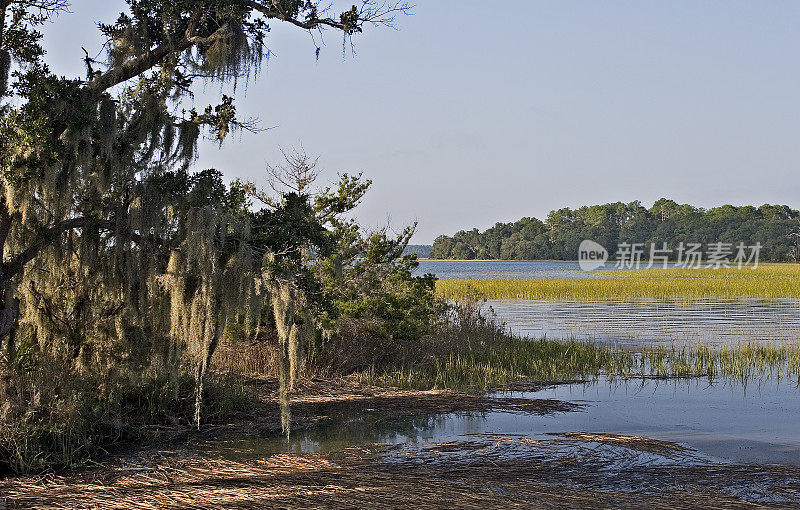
768	281
472	353
544	361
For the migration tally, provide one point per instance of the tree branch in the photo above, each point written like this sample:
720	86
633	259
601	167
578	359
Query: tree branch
369	13
53	233
135	67
49	7
7	219
3	7
49	236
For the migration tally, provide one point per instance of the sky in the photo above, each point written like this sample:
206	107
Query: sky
475	112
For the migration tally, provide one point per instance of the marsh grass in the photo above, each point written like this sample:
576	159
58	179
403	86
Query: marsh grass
472	353
768	281
512	361
67	426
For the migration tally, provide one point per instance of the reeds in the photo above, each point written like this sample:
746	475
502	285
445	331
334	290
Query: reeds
473	353
510	361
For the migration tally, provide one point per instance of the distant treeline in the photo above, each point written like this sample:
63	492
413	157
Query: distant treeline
776	227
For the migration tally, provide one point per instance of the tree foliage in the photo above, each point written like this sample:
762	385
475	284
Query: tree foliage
120	261
559	236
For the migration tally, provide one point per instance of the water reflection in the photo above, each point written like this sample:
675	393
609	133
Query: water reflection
647	321
347	429
721	422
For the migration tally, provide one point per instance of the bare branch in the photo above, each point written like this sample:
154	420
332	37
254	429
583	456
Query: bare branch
46	8
350	22
296	174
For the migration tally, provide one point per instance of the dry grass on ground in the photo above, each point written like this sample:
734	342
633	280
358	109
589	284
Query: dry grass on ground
361	477
580	470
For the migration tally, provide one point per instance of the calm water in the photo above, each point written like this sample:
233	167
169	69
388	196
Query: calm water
627	322
717	423
473	269
647	321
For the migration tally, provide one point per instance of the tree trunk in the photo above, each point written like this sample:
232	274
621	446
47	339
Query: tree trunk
9	304
202	367
9	313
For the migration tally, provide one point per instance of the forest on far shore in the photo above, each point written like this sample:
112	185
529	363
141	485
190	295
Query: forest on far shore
776	227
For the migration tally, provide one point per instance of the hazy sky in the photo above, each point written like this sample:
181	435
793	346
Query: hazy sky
471	113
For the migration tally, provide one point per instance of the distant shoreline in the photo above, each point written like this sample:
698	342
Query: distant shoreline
494	260
643	263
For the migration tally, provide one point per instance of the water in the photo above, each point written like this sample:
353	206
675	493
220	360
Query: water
731	423
630	322
636	323
719	423
509	269
477	269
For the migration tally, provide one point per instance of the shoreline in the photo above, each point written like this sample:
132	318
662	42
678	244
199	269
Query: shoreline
583	469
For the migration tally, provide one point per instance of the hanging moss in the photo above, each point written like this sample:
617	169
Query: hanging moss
207	285
232	55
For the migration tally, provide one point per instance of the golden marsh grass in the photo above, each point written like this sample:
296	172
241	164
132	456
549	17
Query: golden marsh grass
768	281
